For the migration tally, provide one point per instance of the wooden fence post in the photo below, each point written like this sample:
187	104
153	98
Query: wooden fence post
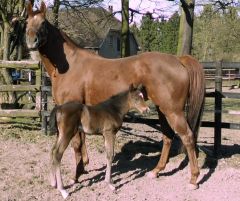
38	74
218	109
44	102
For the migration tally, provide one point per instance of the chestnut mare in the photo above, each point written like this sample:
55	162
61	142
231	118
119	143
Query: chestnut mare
104	118
77	75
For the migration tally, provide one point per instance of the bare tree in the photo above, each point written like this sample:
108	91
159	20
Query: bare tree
125	42
186	27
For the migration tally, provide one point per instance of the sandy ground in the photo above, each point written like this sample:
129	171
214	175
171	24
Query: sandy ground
24	167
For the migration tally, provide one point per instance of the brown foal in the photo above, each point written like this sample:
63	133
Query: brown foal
104	118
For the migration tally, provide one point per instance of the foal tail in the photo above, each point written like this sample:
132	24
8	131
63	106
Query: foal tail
53	121
195	101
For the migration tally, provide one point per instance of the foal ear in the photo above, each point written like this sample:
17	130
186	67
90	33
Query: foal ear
140	87
43	8
29	8
131	87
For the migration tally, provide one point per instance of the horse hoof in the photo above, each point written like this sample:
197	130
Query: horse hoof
85	162
151	175
64	193
193	186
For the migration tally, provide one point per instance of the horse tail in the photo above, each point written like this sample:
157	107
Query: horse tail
53	120
195	101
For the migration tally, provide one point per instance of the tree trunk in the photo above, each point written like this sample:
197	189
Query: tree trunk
55	9
21	40
125	42
5	78
186	27
6	42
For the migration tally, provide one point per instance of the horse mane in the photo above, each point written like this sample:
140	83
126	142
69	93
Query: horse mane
67	39
63	34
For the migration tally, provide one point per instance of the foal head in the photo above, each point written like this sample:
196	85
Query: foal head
36	29
136	99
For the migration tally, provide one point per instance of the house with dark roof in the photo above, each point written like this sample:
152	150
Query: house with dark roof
95	29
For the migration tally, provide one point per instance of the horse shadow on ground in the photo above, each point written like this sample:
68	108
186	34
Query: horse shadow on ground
136	158
141	156
211	160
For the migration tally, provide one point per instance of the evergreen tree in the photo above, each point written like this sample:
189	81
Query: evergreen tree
146	32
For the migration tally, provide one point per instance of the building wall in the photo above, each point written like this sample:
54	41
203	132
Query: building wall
111	45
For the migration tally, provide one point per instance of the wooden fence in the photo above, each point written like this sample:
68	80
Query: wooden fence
218	71
36	88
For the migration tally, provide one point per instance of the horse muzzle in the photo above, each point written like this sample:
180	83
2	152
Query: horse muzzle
145	110
33	43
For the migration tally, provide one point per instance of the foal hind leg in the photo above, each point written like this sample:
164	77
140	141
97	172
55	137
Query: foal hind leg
109	141
181	127
81	156
53	179
168	135
57	153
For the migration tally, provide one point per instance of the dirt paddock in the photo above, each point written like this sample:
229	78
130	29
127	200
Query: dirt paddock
24	166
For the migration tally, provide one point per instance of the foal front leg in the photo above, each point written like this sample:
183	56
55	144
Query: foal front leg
109	141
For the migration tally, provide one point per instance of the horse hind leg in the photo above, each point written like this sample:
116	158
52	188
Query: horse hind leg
168	135
163	158
53	179
181	127
57	153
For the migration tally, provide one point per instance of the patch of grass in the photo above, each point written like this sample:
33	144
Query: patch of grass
24	129
227	104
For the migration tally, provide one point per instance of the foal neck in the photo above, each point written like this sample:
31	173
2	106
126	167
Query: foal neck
120	103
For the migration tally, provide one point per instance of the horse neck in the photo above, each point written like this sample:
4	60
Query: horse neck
55	52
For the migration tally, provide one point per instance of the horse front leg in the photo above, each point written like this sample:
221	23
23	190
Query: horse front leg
81	156
109	141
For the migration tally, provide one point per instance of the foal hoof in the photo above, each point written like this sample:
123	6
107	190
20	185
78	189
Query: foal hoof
112	187
151	175
193	186
72	182
53	184
64	193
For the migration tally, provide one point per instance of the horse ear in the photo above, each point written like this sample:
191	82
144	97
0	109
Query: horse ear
29	9
43	8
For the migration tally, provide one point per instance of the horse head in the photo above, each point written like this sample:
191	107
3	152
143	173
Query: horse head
36	28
